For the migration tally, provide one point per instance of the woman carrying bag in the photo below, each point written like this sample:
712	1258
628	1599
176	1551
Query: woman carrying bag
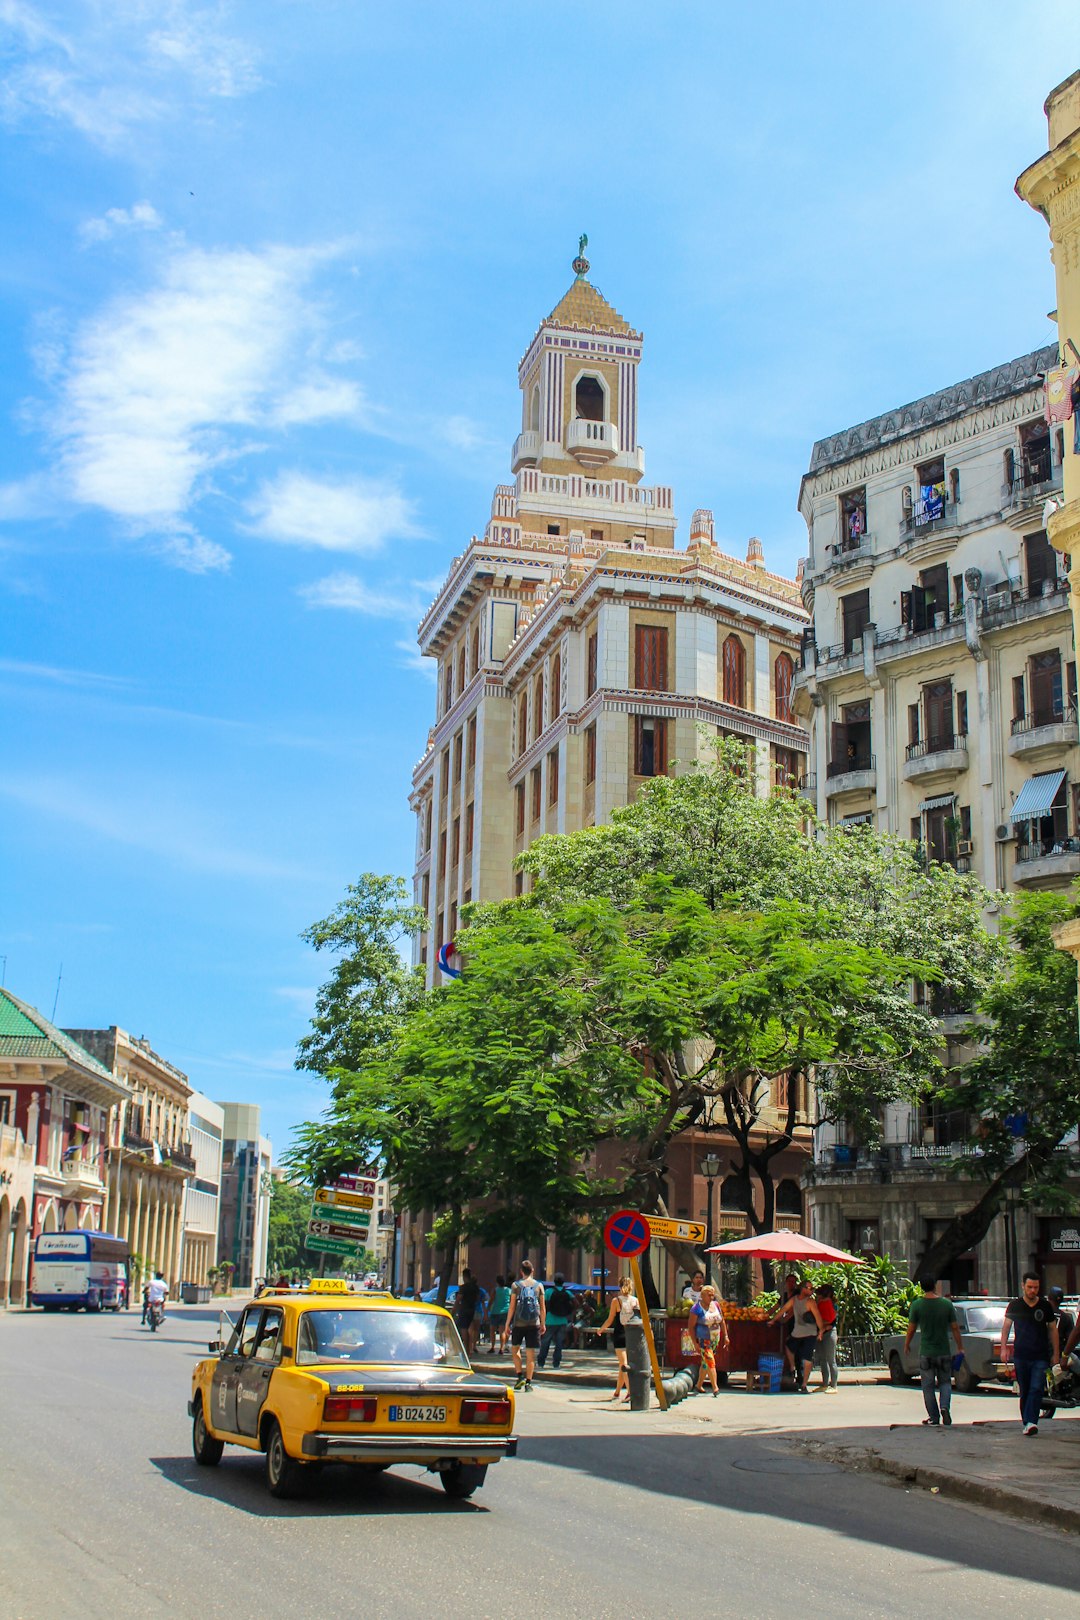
710	1330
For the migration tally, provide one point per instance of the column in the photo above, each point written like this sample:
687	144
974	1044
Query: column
135	1237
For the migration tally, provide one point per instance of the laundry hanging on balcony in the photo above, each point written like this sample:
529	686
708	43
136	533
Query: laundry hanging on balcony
1060	383
1036	797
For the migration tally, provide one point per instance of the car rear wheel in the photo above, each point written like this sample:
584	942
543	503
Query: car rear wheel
461	1479
966	1381
207	1450
897	1375
284	1477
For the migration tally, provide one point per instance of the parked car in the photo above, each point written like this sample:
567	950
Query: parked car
980	1321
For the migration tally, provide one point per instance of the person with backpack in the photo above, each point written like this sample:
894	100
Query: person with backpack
560	1308
526	1320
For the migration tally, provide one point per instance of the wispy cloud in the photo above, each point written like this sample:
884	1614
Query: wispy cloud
354	514
58	675
412	658
141	216
462	433
349	592
299	996
155	822
108	70
162	388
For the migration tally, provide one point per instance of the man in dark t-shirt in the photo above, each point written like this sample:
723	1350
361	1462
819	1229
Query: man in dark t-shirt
1033	1321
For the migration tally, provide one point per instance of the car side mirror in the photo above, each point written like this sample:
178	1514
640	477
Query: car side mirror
215	1347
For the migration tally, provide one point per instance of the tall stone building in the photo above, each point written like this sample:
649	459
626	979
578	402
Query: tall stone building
938	680
579	651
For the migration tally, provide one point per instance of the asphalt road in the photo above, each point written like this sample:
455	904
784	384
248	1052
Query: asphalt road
104	1515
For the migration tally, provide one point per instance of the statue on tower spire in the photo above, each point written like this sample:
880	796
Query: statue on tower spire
581	263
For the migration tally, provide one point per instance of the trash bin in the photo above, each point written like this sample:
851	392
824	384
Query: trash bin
195	1293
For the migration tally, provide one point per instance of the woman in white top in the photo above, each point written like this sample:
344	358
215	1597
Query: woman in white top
624	1310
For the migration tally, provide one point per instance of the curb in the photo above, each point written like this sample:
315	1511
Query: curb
955	1486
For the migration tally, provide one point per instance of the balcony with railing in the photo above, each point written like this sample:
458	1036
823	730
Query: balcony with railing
1044	730
931	756
855	773
592	443
928	515
527	447
1048	861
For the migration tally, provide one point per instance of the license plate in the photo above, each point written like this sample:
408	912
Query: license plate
418	1414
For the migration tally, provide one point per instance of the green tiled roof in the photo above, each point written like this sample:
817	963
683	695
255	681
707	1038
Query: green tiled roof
26	1033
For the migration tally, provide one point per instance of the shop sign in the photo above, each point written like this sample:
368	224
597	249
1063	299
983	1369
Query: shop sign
1066	1240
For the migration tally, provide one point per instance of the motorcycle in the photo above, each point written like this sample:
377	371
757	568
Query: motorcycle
155	1314
1062	1387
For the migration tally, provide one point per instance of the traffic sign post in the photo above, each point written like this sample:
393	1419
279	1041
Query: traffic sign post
340	1198
676	1231
333	1229
627	1234
323	1245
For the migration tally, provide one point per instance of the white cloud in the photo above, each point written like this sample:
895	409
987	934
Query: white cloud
349	591
59	676
464	434
106	70
412	658
141	216
354	514
163	386
300	996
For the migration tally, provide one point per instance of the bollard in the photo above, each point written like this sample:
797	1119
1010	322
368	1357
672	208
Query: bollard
637	1366
679	1385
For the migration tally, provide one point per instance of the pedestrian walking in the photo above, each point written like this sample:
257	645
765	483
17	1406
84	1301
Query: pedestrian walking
826	1352
500	1304
710	1330
465	1308
1033	1321
624	1310
806	1330
560	1307
525	1322
934	1319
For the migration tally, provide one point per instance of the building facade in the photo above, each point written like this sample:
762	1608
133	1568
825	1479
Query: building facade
1052	187
580	652
150	1157
202	1194
56	1103
938	682
244	1212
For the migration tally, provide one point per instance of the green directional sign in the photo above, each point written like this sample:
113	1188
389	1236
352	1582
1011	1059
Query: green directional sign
341	1215
323	1245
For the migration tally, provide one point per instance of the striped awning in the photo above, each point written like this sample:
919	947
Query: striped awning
942	802
1037	796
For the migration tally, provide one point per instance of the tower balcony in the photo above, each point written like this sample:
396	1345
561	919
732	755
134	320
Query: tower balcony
592	443
527	448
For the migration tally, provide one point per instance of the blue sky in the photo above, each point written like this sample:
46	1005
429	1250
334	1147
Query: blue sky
267	271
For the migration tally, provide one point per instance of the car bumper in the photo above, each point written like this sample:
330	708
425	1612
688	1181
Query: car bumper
418	1448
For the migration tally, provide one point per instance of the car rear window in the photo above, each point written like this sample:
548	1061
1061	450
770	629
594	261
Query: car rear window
985	1318
376	1337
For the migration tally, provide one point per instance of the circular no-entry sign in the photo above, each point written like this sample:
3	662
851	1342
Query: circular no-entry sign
627	1234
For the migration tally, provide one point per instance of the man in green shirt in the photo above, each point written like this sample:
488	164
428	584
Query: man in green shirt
934	1318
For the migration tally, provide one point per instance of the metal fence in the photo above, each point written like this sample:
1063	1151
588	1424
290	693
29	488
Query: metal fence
858	1350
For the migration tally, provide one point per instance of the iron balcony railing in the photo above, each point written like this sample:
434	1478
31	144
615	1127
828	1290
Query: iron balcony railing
1045	849
937	745
1043	717
845	767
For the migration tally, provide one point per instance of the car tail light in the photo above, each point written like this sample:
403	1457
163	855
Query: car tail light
485	1411
342	1409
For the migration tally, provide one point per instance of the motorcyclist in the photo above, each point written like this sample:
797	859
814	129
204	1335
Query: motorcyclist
157	1292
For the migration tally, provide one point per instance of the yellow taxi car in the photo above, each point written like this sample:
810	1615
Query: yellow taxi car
326	1375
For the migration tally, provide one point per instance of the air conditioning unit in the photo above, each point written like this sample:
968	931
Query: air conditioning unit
964	846
1005	833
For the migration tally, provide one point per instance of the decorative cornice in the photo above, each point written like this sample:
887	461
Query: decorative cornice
922	415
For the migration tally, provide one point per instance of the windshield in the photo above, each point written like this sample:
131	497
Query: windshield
379	1336
985	1318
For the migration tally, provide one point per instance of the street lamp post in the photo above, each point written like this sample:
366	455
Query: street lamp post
710	1169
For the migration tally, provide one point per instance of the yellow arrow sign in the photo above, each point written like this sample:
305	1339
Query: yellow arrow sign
676	1231
334	1195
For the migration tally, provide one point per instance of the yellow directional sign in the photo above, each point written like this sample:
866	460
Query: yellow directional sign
676	1231
334	1195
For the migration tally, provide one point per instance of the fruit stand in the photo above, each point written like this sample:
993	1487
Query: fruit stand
750	1335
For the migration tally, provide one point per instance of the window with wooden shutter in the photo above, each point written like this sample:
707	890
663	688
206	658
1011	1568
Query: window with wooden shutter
556	686
590	755
650	658
538	707
523	723
537	791
591	664
469	816
470	744
734	672
442	853
519	796
784	688
650	746
553	776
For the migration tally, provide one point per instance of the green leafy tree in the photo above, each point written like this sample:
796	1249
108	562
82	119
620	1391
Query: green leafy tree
1022	1092
290	1207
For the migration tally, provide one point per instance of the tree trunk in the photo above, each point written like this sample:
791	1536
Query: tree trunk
652	1297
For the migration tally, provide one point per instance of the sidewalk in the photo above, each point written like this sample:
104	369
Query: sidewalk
596	1369
991	1463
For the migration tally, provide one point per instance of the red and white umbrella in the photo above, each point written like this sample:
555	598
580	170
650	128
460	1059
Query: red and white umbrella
785	1246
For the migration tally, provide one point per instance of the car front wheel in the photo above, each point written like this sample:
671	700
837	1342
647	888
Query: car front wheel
460	1480
284	1477
207	1450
